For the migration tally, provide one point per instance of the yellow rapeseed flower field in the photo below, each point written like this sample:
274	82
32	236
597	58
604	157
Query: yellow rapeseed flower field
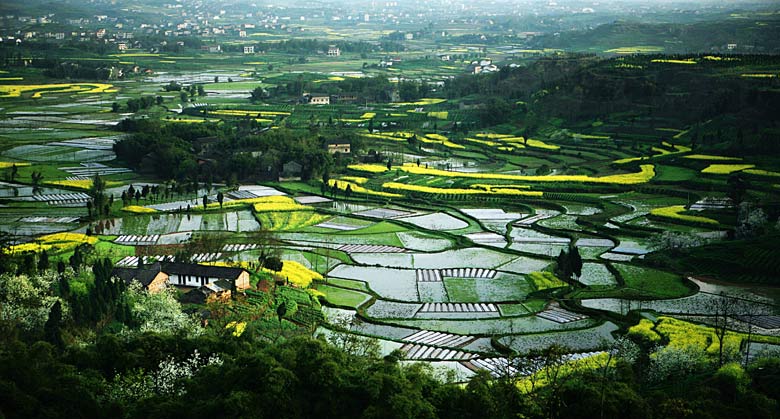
421	102
540	144
459	191
369	168
725	169
9	164
760	172
296	274
355	179
289	220
710	157
277	203
240	112
354	187
137	209
483	142
16	90
84	184
647	172
57	241
674	212
687	61
493	136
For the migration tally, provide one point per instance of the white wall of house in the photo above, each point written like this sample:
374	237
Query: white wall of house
191	280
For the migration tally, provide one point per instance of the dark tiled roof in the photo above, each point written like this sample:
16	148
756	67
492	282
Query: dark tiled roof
201	270
144	275
338	142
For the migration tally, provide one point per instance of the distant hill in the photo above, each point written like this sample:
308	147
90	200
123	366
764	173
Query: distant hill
752	33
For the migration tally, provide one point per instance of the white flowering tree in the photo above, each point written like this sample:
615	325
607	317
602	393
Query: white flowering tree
159	312
675	361
139	384
26	300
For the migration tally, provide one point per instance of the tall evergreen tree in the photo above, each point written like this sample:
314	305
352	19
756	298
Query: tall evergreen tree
52	330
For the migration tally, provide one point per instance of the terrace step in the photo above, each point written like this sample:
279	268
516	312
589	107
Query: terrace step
532	219
469	273
370	248
56	220
63	199
428	337
497	367
417	351
336	226
137	240
132	261
560	315
384	213
428	275
238	247
436	275
241	195
459	308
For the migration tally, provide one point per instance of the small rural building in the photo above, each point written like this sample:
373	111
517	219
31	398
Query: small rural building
347	97
339	146
194	275
151	277
334	51
217	291
291	169
250	49
319	100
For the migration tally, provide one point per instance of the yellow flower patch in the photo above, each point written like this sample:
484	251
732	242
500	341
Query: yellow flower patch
490	190
237	327
277	203
368	115
239	112
422	102
369	168
355	179
57	241
137	209
684	62
674	212
710	157
493	136
646	174
289	220
644	331
759	75
725	169
439	115
9	164
439	139
84	184
296	274
16	90
760	172
483	142
354	187
540	144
